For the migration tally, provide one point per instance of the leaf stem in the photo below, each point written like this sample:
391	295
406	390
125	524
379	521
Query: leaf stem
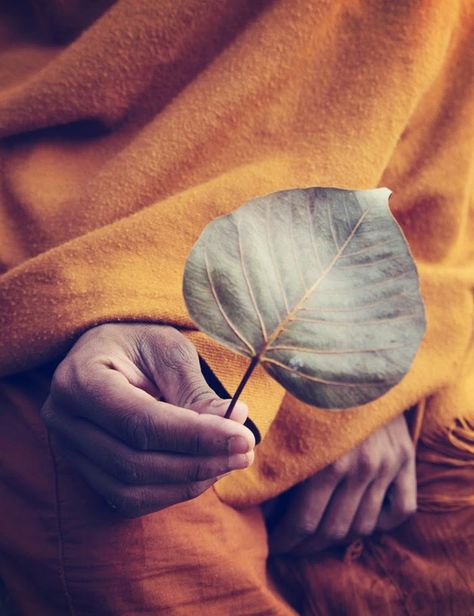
243	382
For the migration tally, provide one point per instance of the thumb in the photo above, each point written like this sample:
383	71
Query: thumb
173	363
219	406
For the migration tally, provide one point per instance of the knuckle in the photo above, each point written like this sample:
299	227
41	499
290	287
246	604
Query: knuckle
171	437
175	351
196	444
407	451
129	504
335	533
191	390
48	416
183	438
136	427
198	472
364	529
339	468
408	509
193	490
73	378
304	528
367	463
62	381
125	470
387	464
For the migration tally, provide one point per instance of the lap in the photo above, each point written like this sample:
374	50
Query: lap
62	551
65	552
423	568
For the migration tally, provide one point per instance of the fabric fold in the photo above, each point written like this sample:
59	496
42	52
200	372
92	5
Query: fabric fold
122	144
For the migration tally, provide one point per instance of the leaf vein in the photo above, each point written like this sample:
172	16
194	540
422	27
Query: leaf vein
295	257
313	240
382	300
402	317
369	263
331	227
276	269
367	248
289	347
370	285
249	286
281	327
320	380
221	308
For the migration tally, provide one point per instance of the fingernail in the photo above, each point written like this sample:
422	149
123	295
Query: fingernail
242	406
224	403
240	460
237	444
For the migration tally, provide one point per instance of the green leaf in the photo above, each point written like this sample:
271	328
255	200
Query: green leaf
318	286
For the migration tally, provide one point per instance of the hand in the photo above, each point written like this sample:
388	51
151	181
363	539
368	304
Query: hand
142	453
372	487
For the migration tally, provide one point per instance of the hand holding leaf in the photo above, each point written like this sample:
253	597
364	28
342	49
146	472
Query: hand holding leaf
317	285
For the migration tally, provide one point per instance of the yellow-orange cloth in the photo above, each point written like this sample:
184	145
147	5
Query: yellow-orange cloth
126	126
129	126
63	552
422	568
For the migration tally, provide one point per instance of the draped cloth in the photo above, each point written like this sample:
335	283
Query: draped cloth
125	127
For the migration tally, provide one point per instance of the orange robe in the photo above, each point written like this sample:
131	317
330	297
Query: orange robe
125	128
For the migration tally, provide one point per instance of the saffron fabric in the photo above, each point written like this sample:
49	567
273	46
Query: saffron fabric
63	552
126	126
124	138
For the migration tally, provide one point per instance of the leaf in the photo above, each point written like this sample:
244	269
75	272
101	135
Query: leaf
318	286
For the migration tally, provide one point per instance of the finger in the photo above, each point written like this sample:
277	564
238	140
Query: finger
307	505
143	422
134	501
338	516
140	468
365	520
401	499
173	363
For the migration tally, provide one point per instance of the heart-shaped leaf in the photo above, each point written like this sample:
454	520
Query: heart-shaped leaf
318	286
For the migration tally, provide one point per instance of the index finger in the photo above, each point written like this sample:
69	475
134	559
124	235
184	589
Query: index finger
144	423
